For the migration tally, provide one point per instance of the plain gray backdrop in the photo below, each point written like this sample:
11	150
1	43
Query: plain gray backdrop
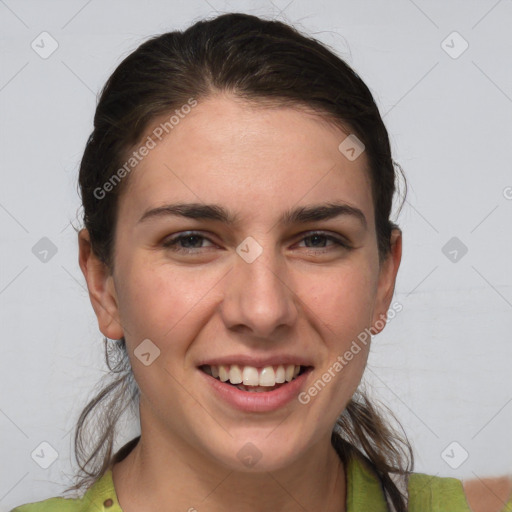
441	74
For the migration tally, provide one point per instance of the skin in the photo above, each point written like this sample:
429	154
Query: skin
295	298
488	494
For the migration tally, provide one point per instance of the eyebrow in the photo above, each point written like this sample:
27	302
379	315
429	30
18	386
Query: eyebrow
299	215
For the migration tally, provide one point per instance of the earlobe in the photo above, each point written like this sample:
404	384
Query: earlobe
387	279
100	284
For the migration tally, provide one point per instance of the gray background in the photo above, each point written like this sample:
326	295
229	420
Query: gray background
443	364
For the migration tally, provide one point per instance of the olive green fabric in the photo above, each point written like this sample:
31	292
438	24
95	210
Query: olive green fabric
426	493
97	499
364	494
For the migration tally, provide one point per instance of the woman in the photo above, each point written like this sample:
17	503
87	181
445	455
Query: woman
238	252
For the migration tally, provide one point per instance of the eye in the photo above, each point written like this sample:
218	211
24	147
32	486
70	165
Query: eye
187	242
190	242
318	240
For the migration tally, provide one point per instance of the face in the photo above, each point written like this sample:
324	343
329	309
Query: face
251	282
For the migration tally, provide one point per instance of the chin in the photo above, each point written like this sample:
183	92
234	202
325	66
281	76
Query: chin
263	451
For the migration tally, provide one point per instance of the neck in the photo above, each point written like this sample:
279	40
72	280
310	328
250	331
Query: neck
150	476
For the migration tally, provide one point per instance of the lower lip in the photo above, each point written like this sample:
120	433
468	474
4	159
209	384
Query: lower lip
264	401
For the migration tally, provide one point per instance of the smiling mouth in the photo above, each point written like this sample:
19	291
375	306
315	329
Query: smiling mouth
255	380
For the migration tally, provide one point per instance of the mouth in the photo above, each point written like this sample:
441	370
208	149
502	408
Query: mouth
255	380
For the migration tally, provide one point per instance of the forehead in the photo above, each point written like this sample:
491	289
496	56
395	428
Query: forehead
254	159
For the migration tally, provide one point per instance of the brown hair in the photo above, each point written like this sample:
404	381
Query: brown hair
258	60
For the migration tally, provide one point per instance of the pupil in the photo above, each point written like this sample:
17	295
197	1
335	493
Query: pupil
316	238
191	237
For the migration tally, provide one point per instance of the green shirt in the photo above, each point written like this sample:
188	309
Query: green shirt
364	494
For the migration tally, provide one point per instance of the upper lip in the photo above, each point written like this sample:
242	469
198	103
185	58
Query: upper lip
256	362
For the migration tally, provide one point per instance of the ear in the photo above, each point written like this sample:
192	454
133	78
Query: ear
100	284
386	284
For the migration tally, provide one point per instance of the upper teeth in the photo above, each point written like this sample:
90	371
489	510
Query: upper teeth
251	376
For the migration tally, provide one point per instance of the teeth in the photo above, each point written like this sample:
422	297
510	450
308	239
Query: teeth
235	374
290	370
280	375
223	373
268	376
250	376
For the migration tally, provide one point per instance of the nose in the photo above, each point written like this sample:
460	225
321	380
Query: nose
257	297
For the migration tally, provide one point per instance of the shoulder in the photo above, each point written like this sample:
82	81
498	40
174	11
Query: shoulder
100	496
426	493
436	494
51	505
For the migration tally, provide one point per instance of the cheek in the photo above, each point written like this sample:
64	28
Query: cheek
157	301
341	301
340	306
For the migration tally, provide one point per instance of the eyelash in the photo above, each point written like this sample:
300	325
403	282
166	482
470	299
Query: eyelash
173	242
